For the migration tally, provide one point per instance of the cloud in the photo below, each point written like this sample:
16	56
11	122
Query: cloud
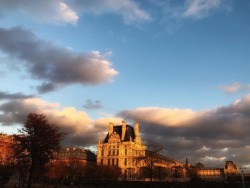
92	104
130	10
210	136
80	128
56	11
235	87
201	135
163	116
55	66
64	11
5	95
201	8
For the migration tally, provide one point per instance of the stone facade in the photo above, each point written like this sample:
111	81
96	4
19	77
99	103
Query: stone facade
6	151
121	145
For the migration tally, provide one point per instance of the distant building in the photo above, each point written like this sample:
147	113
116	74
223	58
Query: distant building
76	154
6	151
217	174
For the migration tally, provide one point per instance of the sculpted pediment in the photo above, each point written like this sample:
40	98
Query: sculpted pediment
114	137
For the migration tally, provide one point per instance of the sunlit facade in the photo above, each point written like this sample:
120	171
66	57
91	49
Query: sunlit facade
121	145
6	151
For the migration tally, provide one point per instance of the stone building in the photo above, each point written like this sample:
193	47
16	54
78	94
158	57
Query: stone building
75	154
6	151
122	147
217	174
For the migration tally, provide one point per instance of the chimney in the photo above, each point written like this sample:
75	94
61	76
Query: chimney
123	129
136	128
111	128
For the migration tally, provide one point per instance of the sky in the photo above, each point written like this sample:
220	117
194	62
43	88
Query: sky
178	68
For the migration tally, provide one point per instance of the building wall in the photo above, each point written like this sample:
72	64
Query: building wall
6	151
120	147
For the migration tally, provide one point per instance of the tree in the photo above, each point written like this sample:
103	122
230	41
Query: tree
149	159
37	143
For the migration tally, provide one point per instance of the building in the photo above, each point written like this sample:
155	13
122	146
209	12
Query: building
76	154
230	168
122	147
217	174
6	151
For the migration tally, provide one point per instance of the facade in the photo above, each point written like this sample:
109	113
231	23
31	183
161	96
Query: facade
75	154
122	147
6	151
217	174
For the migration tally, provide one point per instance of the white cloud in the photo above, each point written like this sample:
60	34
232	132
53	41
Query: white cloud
56	11
235	87
65	11
211	158
162	116
202	8
130	10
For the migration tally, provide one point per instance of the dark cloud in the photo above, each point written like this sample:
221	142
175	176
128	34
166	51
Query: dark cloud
92	104
210	137
55	66
5	95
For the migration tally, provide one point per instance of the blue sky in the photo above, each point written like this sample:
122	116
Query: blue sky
179	68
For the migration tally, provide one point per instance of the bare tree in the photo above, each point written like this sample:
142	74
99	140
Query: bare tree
149	158
37	143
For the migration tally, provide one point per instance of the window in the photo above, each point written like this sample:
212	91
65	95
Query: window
125	162
125	151
113	162
108	161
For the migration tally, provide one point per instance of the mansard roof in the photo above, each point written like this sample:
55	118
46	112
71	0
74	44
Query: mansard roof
129	133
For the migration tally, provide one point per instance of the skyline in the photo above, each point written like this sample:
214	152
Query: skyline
180	69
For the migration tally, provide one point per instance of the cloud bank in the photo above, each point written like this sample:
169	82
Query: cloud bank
210	136
55	66
80	128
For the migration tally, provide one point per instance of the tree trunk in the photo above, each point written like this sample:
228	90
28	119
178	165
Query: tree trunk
29	183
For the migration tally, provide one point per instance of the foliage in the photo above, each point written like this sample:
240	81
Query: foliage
36	145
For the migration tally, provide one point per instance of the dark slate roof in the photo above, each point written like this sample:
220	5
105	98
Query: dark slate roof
128	133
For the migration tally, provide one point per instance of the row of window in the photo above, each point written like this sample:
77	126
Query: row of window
113	152
115	162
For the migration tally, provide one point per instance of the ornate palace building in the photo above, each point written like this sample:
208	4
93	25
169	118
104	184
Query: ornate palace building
122	146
